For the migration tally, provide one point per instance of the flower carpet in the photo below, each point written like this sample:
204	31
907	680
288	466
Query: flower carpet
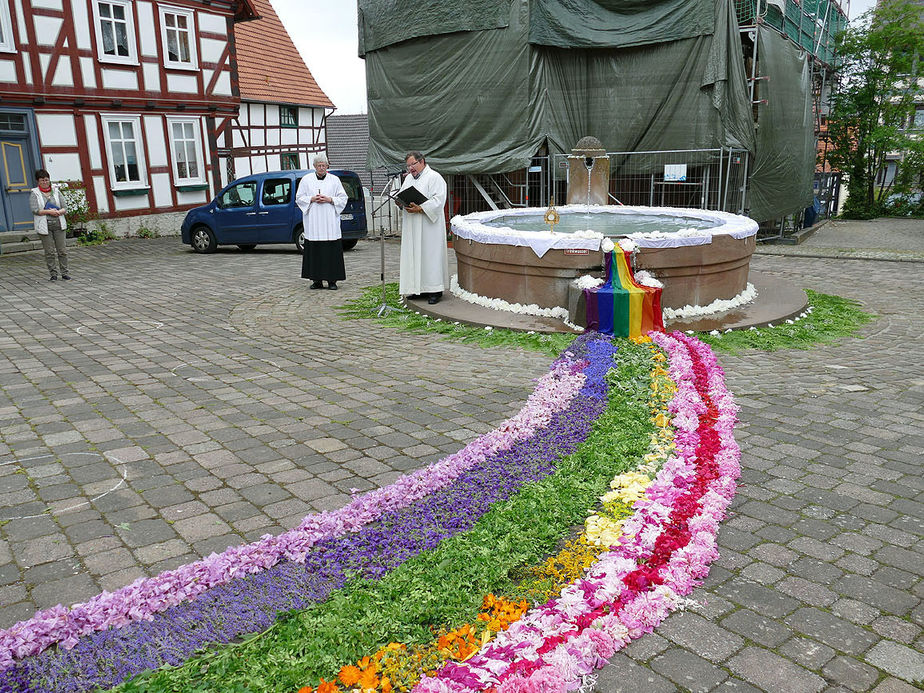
521	563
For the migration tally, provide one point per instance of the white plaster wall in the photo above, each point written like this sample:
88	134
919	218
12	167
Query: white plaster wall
213	23
272	137
147	38
124	204
157	147
193	198
64	166
89	127
151	73
289	135
56	129
256	138
210	49
162	188
48	4
63	76
81	17
223	85
183	84
242	167
87	72
255	114
46	29
8	71
119	79
99	188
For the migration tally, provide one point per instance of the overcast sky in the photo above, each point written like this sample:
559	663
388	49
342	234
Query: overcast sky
324	31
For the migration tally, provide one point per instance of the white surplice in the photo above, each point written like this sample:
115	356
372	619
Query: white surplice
321	219
424	257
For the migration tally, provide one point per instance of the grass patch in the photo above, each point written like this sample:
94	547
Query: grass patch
832	318
366	306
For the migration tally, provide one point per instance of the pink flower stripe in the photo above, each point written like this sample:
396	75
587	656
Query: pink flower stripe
667	547
147	596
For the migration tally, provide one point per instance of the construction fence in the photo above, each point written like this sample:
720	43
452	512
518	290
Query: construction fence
713	179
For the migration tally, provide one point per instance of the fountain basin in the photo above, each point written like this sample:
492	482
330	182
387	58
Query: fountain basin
699	255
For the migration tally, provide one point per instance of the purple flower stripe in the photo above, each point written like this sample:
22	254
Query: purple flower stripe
250	604
147	596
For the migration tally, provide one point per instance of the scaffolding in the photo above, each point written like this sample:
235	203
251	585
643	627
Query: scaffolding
810	24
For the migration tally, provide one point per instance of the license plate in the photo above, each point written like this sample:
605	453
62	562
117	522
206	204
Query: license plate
348	217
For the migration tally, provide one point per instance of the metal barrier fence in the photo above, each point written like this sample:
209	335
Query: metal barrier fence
698	178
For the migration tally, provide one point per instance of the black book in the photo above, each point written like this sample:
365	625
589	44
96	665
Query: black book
411	195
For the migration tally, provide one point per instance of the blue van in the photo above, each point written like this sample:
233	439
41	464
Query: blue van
261	208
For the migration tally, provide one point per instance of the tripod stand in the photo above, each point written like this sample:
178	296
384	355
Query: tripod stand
384	308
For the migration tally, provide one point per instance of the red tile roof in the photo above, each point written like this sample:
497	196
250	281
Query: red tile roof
269	66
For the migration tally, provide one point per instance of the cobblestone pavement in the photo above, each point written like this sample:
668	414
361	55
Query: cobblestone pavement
163	405
877	239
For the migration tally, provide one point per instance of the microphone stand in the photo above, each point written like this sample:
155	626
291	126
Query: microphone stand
384	308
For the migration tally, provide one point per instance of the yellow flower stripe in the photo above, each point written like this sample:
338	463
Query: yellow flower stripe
604	527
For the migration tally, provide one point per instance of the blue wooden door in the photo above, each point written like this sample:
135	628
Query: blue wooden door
17	171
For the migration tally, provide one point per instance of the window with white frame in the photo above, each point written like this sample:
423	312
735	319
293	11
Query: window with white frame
186	150
7	45
126	153
115	31
179	39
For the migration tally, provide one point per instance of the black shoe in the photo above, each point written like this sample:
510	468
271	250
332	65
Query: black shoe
332	286
435	298
413	297
317	285
53	278
66	277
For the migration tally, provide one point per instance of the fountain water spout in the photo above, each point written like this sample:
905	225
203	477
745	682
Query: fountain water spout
589	173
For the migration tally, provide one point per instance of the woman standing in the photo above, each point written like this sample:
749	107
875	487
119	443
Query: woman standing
48	208
321	198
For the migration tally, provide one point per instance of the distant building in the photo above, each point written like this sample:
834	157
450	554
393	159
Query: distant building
150	106
348	147
283	110
125	98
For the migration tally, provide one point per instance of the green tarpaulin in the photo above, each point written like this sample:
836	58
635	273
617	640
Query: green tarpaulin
784	165
386	22
486	100
617	23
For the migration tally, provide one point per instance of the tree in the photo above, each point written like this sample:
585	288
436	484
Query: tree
872	107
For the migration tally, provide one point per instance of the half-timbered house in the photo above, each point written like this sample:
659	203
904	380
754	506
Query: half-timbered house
128	97
283	110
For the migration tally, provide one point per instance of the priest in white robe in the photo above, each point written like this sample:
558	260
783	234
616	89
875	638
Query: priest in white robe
424	257
321	198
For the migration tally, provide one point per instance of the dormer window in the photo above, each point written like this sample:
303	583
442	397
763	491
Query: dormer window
115	31
179	38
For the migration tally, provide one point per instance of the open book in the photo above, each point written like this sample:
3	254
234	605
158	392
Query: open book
410	195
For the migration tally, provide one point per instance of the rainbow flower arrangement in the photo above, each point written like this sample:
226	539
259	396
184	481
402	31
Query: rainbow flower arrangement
656	451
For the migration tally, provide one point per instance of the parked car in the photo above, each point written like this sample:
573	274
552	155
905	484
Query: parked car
260	209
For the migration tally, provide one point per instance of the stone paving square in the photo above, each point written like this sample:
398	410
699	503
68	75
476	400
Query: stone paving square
164	405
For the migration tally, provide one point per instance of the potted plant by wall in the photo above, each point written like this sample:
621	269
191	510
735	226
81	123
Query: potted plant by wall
79	213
